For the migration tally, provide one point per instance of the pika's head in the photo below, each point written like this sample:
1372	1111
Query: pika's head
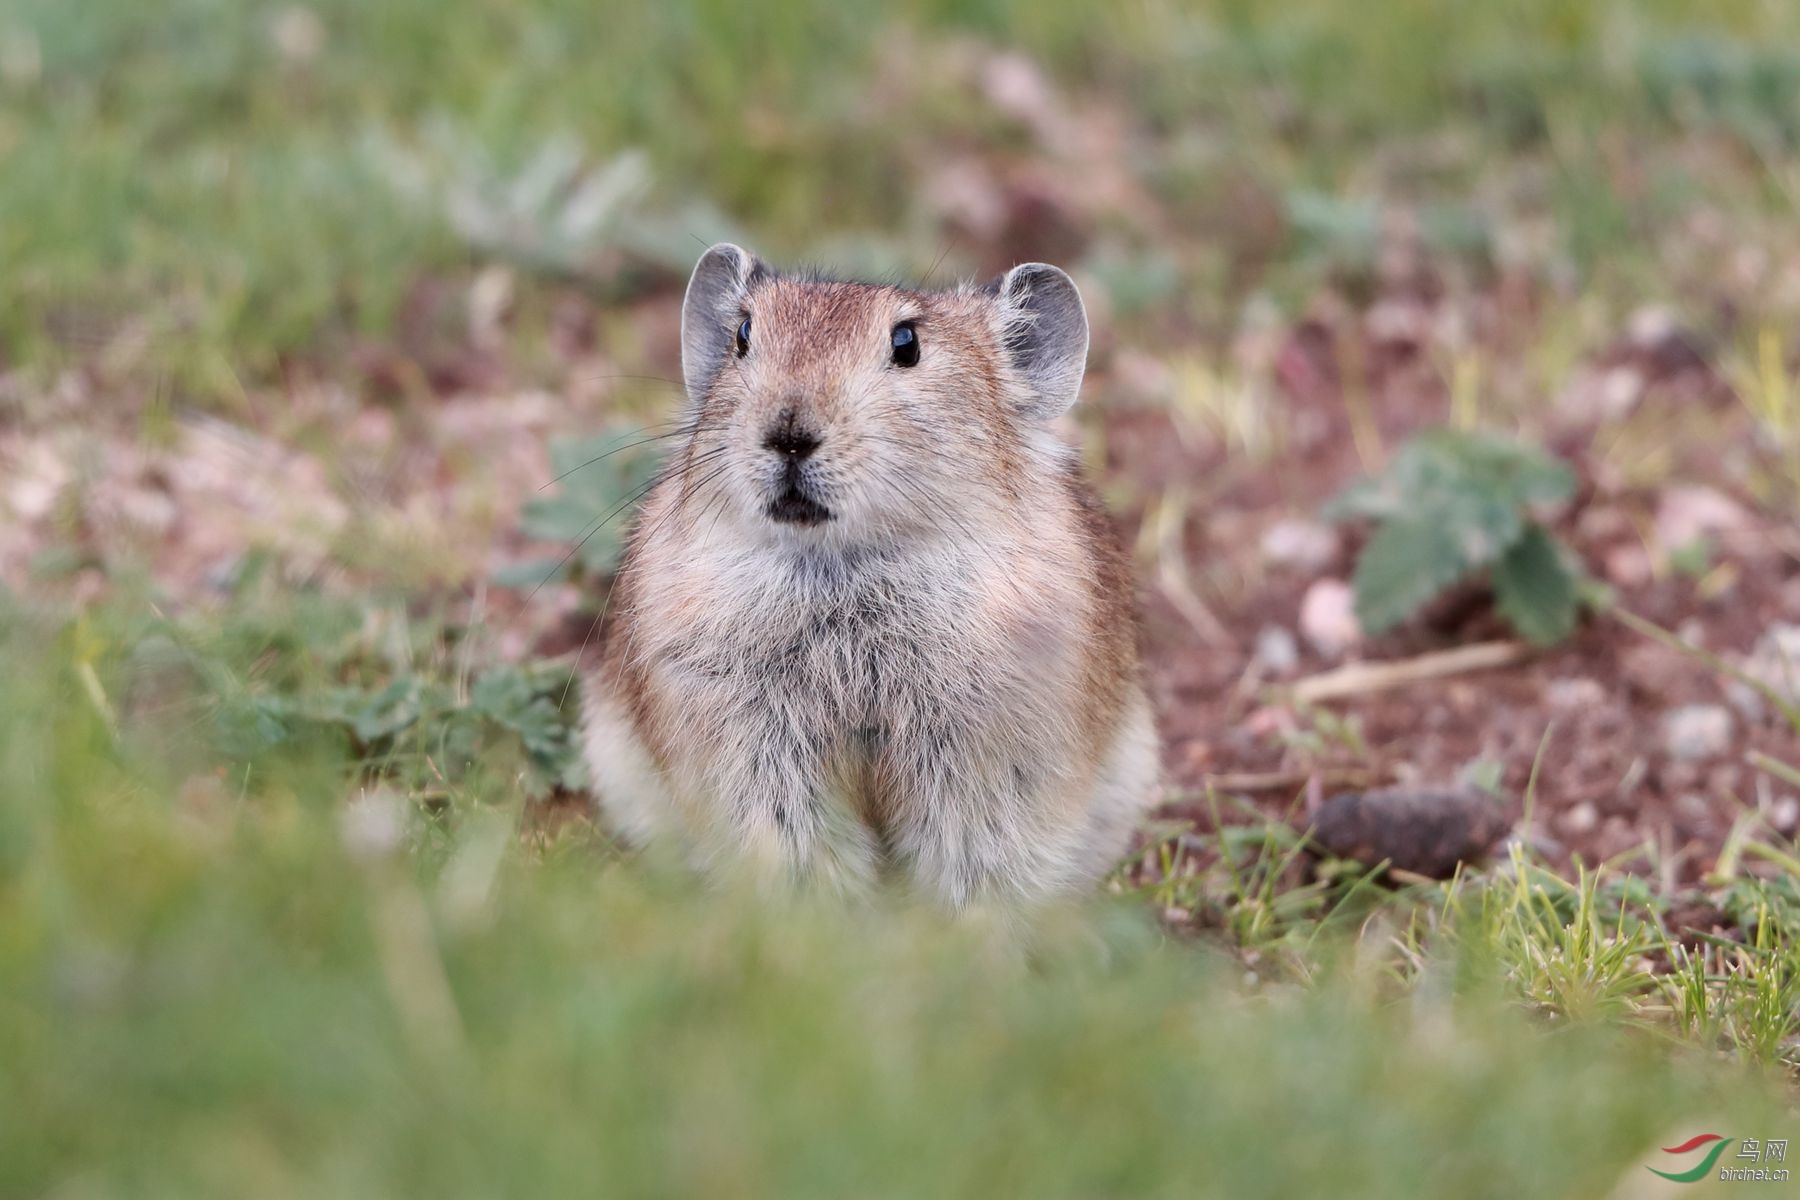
851	412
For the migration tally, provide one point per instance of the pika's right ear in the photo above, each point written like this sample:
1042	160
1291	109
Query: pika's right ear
711	312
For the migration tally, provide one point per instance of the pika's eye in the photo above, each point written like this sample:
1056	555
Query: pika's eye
906	345
743	338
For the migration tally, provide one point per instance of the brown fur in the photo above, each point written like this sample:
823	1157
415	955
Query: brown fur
941	673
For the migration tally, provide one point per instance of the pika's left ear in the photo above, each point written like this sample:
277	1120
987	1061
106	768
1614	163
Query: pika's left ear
1046	334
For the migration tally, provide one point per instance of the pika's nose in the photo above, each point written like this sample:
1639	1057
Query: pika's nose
789	438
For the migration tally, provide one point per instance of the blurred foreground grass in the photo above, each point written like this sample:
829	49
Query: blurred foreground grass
233	985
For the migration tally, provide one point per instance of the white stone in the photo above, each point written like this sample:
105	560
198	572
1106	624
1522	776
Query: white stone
1328	618
1277	651
1574	695
1304	546
1688	514
1775	662
1693	807
1580	819
1652	325
1697	731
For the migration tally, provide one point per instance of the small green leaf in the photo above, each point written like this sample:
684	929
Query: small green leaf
562	517
1370	498
249	725
1451	501
1507	470
529	705
598	482
1535	590
389	711
1407	562
532	573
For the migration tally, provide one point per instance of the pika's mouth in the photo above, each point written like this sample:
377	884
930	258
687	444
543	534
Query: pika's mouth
795	507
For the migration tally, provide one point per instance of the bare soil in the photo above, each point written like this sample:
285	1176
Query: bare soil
1586	720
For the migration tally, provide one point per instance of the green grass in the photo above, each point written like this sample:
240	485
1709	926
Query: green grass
316	962
223	984
282	911
219	186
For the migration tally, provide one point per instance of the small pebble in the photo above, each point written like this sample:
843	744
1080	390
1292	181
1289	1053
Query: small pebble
1304	546
1620	388
1746	699
1690	514
1627	566
1277	651
1328	618
1697	731
1574	695
1602	395
1652	325
1775	663
1580	819
1692	807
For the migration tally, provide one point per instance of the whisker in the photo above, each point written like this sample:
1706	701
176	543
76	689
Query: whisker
937	511
596	527
724	502
655	437
562	562
606	604
939	261
707	456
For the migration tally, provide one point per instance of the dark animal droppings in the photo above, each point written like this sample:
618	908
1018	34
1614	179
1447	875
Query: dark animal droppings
1425	832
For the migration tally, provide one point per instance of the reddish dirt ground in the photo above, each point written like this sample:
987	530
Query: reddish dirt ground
1658	438
1591	713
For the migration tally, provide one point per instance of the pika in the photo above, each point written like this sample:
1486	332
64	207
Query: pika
871	621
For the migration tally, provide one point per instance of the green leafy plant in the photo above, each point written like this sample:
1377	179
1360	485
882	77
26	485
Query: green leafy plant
598	479
1452	504
397	726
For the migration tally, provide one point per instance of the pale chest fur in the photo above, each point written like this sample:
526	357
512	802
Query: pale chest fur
863	649
873	618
